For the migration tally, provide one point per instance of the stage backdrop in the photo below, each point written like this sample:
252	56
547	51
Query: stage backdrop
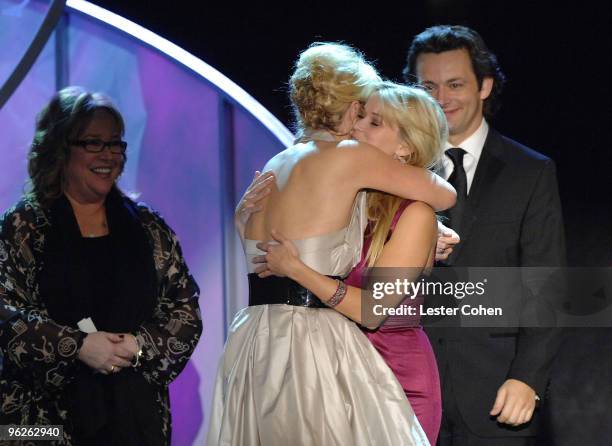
195	139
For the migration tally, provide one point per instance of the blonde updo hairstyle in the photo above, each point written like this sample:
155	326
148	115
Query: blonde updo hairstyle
422	126
327	78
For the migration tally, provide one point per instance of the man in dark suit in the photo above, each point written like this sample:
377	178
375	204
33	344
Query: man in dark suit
508	214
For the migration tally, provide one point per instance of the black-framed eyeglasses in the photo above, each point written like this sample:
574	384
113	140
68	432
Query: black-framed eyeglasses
97	145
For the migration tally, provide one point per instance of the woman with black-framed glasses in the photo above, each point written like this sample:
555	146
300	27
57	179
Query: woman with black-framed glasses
94	145
93	325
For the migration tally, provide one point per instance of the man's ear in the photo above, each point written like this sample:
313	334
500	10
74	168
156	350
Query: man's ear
485	89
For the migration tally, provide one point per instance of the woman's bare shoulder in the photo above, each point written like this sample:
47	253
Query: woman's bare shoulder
416	216
355	154
418	209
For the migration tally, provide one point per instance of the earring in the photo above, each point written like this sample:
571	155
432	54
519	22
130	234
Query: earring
399	158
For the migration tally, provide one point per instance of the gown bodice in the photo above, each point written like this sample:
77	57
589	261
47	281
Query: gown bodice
332	254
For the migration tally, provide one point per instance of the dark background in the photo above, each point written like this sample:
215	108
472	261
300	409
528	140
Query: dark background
556	57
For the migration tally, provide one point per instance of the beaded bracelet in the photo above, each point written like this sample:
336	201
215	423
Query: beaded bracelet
338	295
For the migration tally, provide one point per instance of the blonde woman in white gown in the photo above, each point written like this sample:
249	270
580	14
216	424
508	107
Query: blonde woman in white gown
293	371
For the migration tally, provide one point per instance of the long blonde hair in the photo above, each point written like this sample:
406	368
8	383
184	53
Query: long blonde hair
422	126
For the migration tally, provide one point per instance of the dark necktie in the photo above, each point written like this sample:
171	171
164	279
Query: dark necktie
459	181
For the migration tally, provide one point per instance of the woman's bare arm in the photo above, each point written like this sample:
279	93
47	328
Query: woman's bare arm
370	168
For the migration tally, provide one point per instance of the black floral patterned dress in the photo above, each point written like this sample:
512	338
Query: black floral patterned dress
39	355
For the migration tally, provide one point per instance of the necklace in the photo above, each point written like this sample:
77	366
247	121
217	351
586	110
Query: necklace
104	229
97	230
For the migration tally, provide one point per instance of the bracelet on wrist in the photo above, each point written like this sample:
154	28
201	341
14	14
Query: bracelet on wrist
338	296
136	359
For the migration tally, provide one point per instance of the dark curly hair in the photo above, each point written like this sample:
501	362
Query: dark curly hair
438	39
64	118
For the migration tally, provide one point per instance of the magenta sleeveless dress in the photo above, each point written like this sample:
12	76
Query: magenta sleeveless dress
405	347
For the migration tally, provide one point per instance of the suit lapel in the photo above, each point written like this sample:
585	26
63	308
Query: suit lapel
487	170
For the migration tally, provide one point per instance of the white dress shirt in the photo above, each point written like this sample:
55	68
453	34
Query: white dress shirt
473	147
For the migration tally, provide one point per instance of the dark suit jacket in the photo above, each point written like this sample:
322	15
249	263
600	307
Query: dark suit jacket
512	218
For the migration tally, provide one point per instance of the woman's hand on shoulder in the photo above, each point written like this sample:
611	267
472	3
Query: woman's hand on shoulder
251	200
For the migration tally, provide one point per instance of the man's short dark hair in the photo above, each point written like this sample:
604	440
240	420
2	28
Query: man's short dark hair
441	38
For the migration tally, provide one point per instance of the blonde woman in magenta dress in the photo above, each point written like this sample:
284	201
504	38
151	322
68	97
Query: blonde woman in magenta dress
295	372
400	234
